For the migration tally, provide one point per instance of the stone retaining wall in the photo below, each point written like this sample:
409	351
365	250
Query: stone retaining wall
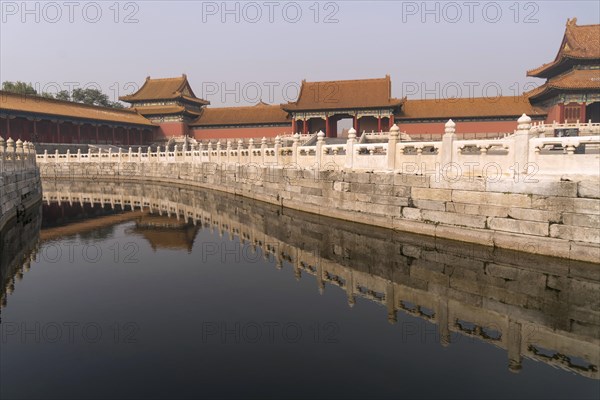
19	191
20	186
551	217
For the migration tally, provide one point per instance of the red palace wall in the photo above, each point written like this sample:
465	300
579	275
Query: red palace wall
48	131
433	130
235	133
168	129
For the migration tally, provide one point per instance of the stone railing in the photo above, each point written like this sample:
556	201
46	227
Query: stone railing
587	128
19	179
520	155
382	135
16	156
301	136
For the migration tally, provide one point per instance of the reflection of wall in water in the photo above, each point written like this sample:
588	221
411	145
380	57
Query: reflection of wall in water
543	308
18	247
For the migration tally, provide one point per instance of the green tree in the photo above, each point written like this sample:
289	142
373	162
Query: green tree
18	87
116	104
95	97
90	96
63	95
79	95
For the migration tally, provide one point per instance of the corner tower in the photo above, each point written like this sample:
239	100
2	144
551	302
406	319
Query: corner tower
572	88
168	102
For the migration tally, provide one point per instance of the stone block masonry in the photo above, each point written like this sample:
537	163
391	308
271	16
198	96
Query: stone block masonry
20	186
556	223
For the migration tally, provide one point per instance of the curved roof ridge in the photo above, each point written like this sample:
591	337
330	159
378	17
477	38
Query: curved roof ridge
164	89
173	78
578	42
387	77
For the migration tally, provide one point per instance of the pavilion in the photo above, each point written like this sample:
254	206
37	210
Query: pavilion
321	105
167	102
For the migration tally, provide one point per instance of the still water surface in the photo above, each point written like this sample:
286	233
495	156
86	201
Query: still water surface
243	299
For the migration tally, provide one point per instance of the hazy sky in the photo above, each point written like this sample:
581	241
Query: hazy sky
237	52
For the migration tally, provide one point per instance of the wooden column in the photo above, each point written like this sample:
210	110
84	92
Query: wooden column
561	113
79	133
305	126
35	136
141	137
128	143
7	127
97	134
57	131
327	130
294	125
113	135
391	121
24	129
355	124
379	124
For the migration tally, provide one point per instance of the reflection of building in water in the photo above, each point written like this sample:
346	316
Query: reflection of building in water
70	219
163	232
541	308
18	247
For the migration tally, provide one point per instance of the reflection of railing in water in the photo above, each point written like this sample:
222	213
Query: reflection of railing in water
561	360
18	248
511	300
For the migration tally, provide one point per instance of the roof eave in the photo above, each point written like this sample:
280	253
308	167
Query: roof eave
207	124
455	117
72	117
295	107
131	99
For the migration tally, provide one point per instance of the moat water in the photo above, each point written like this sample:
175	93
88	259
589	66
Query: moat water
238	299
